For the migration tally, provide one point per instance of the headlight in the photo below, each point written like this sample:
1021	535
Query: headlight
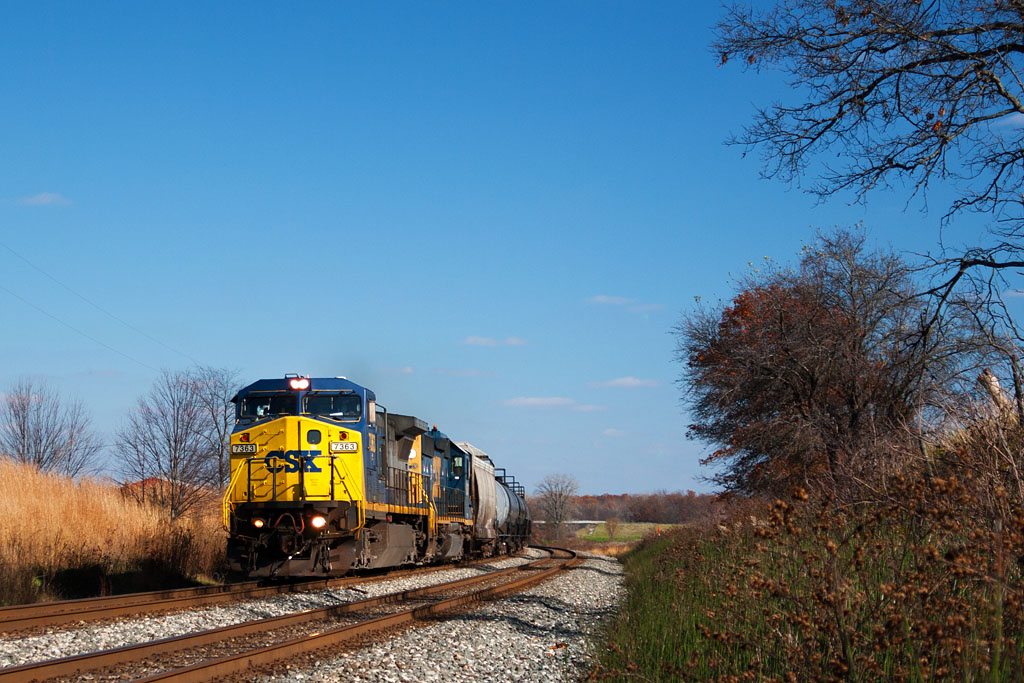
318	521
258	523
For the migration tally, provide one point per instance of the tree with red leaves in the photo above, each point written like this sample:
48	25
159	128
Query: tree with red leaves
806	372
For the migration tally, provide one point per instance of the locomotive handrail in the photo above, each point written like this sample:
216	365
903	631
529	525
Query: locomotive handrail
361	513
406	488
426	488
453	501
266	459
228	506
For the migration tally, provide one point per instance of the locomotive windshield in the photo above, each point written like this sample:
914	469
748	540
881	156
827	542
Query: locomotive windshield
337	406
267	405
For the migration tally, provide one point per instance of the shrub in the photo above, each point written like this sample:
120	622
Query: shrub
910	588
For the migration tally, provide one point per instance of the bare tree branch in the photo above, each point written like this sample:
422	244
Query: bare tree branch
893	90
215	387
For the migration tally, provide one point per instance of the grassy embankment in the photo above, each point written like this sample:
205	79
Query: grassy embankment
65	539
625	532
803	591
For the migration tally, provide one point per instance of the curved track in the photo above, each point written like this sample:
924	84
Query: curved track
296	634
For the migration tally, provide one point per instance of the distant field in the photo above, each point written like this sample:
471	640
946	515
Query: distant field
626	531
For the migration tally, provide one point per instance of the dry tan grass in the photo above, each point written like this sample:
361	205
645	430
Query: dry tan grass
615	549
55	533
601	547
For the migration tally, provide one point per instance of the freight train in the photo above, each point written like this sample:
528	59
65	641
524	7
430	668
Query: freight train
325	480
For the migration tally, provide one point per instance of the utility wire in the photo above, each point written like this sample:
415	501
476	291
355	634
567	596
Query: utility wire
97	307
75	329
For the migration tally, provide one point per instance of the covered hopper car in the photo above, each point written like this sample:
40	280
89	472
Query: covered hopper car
325	480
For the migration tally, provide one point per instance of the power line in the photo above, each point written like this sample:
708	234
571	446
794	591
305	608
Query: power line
96	306
75	329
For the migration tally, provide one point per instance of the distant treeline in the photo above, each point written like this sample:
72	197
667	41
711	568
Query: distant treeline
661	506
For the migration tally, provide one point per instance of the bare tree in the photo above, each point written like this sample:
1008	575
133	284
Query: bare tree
611	525
215	387
554	500
38	428
164	445
899	94
894	89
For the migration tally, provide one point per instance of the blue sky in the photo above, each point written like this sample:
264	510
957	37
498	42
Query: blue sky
491	214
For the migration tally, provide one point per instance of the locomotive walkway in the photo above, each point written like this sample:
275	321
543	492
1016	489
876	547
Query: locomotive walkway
235	649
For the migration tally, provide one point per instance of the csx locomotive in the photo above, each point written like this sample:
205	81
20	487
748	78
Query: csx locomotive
325	480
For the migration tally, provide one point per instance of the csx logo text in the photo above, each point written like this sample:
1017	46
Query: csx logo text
289	462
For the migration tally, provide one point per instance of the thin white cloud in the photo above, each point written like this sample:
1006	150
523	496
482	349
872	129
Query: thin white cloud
612	432
45	199
480	341
491	341
1014	292
1014	120
552	402
631	305
614	300
625	382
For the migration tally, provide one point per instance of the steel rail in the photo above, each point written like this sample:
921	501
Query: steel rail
18	611
74	665
235	664
92	609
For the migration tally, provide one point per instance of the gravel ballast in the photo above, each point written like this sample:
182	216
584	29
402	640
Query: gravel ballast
67	641
539	634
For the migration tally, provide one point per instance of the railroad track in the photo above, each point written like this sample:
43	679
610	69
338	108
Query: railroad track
234	649
20	617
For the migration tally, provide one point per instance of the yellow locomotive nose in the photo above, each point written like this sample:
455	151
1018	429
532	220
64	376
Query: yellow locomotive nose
296	459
